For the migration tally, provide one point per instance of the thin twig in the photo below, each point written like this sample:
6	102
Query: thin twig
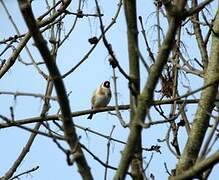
165	165
118	114
9	121
98	39
23	173
108	152
80	14
109	46
205	147
197	8
17	93
10	62
147	165
99	160
22	155
26	48
73	25
175	73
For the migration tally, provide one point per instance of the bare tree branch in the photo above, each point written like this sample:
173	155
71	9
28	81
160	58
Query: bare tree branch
10	62
22	155
26	172
206	104
68	124
198	168
197	8
36	95
146	97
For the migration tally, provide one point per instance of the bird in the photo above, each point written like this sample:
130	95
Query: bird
100	97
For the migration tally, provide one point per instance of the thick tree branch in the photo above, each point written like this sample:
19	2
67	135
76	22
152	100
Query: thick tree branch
145	99
68	124
199	168
206	104
130	9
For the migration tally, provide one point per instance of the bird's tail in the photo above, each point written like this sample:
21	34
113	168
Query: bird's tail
90	116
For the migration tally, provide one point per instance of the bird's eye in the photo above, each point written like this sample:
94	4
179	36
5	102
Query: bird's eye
106	84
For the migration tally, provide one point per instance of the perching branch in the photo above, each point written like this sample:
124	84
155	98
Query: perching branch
86	112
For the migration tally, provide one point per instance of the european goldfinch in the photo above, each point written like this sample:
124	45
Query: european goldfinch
101	97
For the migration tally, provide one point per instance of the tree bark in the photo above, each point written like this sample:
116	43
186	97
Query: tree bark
205	106
134	85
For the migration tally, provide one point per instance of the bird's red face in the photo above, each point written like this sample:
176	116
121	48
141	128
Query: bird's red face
106	84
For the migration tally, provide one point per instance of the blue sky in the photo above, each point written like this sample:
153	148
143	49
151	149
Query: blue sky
82	82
